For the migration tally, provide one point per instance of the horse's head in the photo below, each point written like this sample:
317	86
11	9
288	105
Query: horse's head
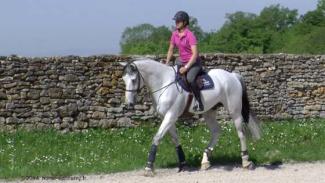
133	82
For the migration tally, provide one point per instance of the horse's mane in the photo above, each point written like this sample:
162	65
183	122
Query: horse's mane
141	60
141	57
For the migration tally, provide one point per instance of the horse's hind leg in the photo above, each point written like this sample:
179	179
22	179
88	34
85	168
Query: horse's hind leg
179	150
238	119
210	118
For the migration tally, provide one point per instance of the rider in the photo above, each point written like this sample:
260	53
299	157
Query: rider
189	62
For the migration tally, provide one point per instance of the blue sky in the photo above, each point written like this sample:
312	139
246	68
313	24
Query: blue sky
89	27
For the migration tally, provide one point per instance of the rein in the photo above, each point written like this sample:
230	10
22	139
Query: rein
175	81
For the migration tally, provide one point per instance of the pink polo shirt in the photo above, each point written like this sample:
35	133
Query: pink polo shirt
184	44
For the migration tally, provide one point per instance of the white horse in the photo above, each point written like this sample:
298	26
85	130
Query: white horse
170	102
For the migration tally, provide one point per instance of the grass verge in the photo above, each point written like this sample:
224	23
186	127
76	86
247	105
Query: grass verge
50	153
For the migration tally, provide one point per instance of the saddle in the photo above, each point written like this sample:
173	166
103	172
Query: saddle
203	80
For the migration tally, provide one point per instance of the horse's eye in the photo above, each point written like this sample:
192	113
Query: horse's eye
133	68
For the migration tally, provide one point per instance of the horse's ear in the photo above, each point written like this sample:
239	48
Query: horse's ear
123	63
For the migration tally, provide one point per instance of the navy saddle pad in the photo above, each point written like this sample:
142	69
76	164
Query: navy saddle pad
203	81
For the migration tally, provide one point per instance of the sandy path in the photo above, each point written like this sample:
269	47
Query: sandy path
287	173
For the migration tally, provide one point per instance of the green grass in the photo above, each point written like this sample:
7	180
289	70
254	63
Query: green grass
50	153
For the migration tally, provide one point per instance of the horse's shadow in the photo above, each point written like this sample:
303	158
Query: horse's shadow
273	165
227	163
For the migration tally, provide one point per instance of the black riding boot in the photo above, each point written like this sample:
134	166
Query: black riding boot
197	95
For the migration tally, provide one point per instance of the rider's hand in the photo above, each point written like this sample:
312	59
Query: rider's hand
163	61
182	70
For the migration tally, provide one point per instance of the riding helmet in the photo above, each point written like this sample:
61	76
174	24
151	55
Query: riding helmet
182	16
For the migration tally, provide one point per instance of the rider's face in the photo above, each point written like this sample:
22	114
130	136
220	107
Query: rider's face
179	24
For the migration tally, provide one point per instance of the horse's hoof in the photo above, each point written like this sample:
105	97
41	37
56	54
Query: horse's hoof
148	172
249	165
205	166
182	167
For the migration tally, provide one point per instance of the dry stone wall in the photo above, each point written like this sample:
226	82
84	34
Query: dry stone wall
77	93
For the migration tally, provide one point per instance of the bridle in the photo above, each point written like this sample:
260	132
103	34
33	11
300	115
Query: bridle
139	77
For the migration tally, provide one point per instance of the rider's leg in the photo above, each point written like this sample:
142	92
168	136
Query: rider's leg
191	78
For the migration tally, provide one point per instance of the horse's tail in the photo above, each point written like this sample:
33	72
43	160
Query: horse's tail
245	110
249	118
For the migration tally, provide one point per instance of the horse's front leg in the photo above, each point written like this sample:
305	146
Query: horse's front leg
179	149
169	120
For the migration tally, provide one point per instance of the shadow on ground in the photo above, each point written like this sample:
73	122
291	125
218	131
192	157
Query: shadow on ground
227	163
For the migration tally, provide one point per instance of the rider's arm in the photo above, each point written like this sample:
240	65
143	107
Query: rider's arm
170	52
193	57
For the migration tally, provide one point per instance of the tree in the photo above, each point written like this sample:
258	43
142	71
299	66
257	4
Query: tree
137	33
277	18
272	24
145	39
321	6
307	36
196	29
250	33
233	37
316	17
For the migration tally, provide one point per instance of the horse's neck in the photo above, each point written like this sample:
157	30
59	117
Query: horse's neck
155	75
